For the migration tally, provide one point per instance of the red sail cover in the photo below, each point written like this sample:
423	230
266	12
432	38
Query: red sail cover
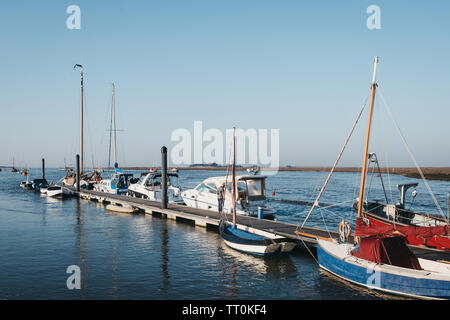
363	230
387	250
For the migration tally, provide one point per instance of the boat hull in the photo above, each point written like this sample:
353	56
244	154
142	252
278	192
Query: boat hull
191	199
154	196
248	242
436	242
386	278
121	209
58	193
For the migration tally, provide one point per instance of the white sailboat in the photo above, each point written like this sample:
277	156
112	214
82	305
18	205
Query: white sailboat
87	179
119	181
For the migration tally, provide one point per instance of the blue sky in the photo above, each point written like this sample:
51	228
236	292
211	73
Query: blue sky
303	67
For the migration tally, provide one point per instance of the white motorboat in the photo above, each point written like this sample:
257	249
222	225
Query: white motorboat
251	196
56	191
118	184
149	187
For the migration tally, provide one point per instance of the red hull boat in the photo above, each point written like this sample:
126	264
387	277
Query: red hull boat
419	229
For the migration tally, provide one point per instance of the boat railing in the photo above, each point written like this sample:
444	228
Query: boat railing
398	214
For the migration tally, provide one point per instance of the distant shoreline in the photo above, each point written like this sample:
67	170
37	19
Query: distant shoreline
430	173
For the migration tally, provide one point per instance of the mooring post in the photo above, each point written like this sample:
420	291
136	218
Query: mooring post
78	172
43	168
164	177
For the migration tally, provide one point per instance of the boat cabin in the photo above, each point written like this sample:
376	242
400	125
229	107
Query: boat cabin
249	188
153	179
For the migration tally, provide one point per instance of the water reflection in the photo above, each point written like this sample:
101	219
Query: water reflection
115	267
81	244
234	264
164	258
276	265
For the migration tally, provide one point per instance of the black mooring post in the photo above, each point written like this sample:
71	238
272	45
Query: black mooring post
43	168
78	172
164	177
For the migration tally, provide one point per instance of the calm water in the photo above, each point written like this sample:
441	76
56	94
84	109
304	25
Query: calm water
140	257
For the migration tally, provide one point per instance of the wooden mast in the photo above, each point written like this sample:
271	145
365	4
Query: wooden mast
366	149
233	183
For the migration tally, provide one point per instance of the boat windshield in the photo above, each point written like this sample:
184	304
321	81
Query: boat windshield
255	187
120	178
155	180
206	188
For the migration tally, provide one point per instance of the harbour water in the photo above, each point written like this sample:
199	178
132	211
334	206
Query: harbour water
123	256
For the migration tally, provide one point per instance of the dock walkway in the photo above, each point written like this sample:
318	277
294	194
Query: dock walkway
206	218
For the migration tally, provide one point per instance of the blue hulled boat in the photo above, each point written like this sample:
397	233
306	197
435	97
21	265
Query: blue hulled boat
252	243
415	277
381	259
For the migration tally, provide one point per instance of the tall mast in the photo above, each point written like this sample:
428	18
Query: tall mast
81	129
233	183
366	149
115	131
112	126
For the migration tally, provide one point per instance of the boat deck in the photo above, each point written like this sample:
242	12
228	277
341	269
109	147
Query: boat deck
207	218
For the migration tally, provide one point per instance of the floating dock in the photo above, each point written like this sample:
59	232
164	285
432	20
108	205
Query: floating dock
210	219
205	218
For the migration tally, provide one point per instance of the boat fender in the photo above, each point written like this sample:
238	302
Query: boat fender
366	221
344	230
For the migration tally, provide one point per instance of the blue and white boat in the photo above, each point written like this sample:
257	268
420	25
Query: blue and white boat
381	259
429	279
249	242
117	184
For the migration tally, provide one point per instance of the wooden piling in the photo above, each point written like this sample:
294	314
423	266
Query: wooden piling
78	172
164	178
43	168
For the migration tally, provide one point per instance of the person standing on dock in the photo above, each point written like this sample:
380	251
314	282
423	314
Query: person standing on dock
220	191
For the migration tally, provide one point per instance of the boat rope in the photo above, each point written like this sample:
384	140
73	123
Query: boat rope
316	202
325	207
333	213
412	157
294	202
312	255
386	165
323	219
